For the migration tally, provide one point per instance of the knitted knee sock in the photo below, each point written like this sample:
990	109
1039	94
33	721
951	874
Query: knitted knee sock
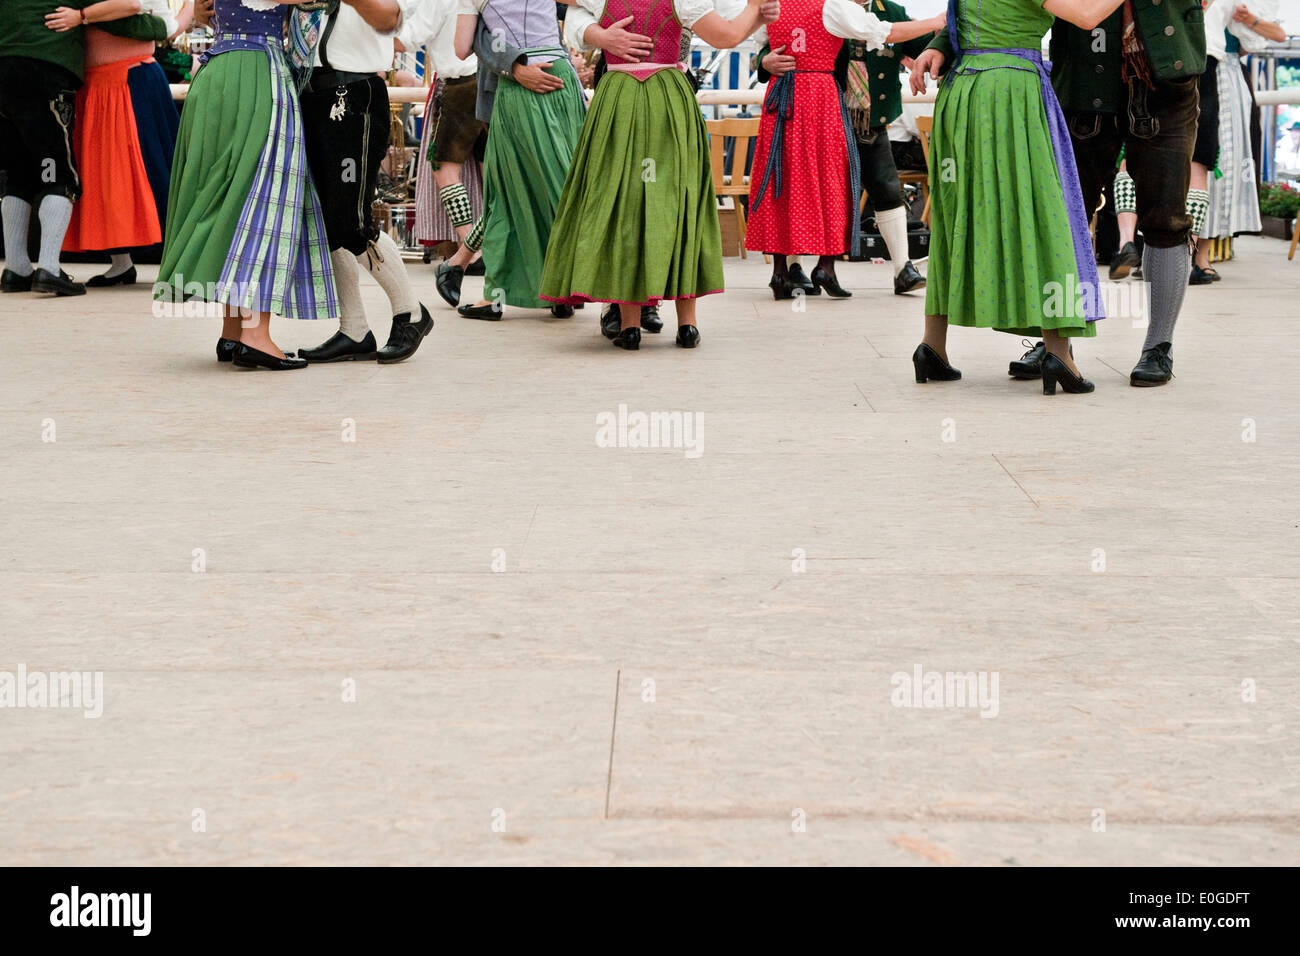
1167	271
17	215
892	224
1198	207
55	213
474	241
1125	194
455	200
384	260
352	315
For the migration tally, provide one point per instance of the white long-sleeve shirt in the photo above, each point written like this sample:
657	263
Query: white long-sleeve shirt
432	24
357	47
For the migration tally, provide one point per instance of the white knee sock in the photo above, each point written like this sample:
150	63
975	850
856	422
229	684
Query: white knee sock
17	214
892	224
384	260
55	213
347	283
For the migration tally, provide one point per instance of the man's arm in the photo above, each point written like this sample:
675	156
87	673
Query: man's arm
385	16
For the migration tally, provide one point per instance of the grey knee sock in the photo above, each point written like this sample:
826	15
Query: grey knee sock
1166	271
55	213
17	213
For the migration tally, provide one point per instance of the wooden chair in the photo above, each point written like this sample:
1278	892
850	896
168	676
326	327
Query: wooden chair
924	124
735	184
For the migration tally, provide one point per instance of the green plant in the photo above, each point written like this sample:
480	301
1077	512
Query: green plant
1279	199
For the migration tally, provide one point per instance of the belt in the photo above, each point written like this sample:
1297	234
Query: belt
323	78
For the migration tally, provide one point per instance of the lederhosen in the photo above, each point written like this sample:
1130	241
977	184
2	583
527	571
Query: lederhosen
346	124
458	135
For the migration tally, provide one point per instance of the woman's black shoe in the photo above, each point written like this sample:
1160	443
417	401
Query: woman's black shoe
1201	276
796	276
629	339
476	268
782	287
122	278
611	323
448	279
929	365
1054	370
491	312
825	280
562	311
226	349
688	336
246	357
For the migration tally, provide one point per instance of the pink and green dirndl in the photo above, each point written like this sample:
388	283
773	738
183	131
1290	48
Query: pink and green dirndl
244	225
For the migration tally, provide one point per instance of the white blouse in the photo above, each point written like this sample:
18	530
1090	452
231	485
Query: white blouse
432	24
848	21
1219	17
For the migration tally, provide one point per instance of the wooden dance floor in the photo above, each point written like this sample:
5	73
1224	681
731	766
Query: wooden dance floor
446	612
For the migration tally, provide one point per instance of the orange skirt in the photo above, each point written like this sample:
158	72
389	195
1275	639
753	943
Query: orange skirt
116	209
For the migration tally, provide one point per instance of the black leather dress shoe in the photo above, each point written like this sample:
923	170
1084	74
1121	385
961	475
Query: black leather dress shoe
476	268
796	275
1029	365
688	336
650	320
629	339
825	280
102	281
561	311
1057	372
909	279
491	312
405	336
448	279
11	281
930	365
1154	368
340	348
611	321
62	284
1125	261
246	357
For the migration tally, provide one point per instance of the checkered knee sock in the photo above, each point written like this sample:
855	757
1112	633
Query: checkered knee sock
1198	207
1125	194
474	241
455	200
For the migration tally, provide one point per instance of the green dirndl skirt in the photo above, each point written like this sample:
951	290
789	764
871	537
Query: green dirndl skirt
529	148
1001	250
638	221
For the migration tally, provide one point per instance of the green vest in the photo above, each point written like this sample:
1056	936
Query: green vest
884	65
1086	64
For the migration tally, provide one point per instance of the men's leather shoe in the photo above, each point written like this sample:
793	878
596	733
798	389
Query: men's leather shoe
476	268
339	348
62	284
102	281
491	312
797	277
448	279
908	279
1125	261
1154	368
1029	365
405	336
650	320
11	281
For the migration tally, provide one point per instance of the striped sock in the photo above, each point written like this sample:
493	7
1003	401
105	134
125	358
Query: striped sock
456	201
1198	207
1125	193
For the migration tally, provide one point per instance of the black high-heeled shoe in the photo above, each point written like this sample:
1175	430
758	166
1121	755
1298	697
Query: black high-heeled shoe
795	274
782	287
246	357
824	280
929	364
688	336
1054	371
629	339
